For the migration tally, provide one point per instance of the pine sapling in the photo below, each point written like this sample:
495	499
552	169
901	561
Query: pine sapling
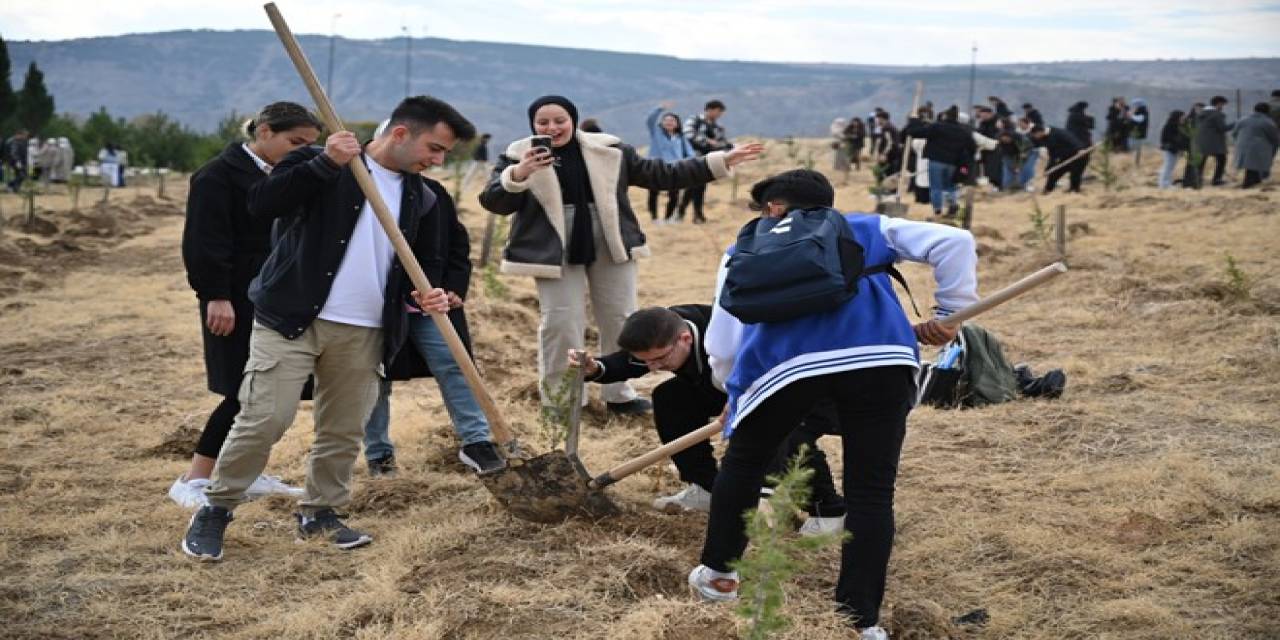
775	556
554	417
1239	284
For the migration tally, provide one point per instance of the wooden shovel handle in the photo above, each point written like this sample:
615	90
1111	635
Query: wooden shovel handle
675	446
1070	160
906	145
1006	294
497	425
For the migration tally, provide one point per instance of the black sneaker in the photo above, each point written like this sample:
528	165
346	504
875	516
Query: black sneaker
203	540
637	407
1049	385
384	467
952	210
326	523
483	457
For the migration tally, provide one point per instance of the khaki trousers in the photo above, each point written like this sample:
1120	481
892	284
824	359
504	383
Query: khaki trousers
347	363
562	303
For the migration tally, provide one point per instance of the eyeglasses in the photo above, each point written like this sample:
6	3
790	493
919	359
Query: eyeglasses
650	362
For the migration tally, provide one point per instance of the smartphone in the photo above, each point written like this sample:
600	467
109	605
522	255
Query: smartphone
545	143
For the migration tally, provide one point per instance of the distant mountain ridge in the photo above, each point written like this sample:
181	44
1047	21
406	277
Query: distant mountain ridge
199	77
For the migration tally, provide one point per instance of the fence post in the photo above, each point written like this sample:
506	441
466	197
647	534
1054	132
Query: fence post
1060	230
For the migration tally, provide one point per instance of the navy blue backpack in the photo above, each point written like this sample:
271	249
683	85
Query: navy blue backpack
802	263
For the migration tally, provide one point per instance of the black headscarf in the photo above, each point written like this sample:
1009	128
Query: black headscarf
575	183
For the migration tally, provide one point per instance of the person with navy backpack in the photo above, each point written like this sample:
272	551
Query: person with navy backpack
861	354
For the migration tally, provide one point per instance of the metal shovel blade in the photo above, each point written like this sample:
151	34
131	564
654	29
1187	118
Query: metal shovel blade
553	486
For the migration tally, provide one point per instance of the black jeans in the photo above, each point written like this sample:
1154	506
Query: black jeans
673	199
1251	178
217	427
679	407
872	406
693	195
824	500
1075	168
1219	167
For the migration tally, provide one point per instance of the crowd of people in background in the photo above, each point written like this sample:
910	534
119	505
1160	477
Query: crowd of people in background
52	160
1006	146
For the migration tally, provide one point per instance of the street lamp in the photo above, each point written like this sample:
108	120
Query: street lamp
973	72
408	53
333	35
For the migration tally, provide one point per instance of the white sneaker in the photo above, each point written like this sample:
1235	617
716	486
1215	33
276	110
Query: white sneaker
713	586
266	485
874	633
189	494
822	526
692	498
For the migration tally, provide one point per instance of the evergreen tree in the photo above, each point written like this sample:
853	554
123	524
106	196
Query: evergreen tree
35	105
8	100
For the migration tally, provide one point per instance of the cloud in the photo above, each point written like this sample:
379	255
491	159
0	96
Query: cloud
841	31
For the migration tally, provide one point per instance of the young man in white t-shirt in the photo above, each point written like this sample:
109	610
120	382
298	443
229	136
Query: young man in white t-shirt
329	301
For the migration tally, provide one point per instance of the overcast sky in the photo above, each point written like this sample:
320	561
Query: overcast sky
847	31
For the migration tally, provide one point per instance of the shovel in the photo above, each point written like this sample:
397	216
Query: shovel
705	433
555	485
536	490
898	209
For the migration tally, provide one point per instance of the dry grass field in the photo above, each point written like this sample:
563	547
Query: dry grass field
1144	504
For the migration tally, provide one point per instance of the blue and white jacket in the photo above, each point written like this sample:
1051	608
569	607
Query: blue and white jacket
669	149
751	362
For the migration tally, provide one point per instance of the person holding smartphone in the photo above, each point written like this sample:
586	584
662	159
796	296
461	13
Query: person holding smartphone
574	230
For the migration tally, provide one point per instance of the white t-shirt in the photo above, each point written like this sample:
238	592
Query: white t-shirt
360	284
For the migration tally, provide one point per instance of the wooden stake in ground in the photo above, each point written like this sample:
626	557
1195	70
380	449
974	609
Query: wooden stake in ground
968	208
487	244
1060	230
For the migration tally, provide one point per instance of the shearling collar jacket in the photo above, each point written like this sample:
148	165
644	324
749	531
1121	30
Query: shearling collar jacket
538	239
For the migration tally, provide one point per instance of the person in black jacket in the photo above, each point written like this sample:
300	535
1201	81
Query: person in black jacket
222	248
444	249
1033	114
1079	123
1062	146
949	145
330	300
575	232
1173	142
670	339
1118	125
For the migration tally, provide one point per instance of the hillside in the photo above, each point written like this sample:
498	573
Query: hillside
200	76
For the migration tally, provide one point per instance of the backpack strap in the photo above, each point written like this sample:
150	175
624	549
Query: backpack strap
896	275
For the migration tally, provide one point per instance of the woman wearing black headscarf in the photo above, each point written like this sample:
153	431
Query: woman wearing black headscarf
572	255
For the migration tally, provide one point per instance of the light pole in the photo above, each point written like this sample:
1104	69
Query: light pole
333	35
408	54
973	72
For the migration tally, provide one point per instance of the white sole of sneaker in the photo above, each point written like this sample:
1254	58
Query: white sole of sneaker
364	540
202	557
706	597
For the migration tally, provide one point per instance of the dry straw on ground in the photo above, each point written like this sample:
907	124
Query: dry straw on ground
1144	504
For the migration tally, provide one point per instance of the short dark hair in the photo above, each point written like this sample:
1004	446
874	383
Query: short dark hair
282	116
1217	100
713	104
798	188
1039	128
650	328
1027	105
1262	107
423	112
591	125
1275	94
